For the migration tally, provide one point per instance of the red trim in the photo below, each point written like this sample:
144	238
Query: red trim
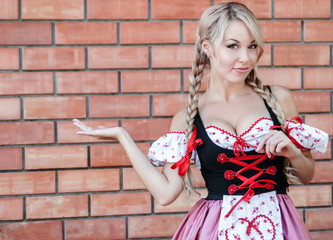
180	132
242	134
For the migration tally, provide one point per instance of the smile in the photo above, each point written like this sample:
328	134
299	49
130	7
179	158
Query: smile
241	70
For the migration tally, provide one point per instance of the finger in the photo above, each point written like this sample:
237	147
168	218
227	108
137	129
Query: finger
81	125
263	141
281	145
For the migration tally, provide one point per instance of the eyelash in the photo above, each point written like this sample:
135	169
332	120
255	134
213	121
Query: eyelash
232	46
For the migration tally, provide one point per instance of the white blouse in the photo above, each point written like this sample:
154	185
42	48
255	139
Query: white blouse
171	147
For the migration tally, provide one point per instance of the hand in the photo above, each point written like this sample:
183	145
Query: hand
277	143
101	132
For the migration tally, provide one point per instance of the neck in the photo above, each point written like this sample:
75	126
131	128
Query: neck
224	90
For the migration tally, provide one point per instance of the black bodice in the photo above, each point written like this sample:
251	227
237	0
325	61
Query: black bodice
214	172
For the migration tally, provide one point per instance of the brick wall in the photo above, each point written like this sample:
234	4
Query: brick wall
126	62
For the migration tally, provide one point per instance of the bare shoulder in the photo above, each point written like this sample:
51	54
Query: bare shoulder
179	121
286	101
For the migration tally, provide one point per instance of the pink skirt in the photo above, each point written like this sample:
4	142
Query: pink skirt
201	223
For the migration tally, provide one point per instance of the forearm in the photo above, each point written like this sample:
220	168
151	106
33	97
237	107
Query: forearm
163	189
304	166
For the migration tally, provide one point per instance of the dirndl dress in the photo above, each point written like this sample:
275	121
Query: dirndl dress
247	197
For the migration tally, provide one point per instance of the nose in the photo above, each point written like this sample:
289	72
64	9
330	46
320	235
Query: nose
244	56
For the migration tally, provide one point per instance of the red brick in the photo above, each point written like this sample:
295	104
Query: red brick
181	9
118	57
260	8
298	55
172	56
266	58
57	207
10	158
26	83
321	235
112	155
26	133
318	78
24	33
54	107
153	226
87	82
146	129
323	172
169	105
117	9
119	106
9	9
86	33
321	121
204	81
9	59
319	218
10	108
318	31
287	77
53	58
11	209
302	9
96	229
67	132
89	180
281	31
27	183
189	31
120	204
52	9
151	81
312	101
56	157
131	180
50	230
306	196
149	32
181	204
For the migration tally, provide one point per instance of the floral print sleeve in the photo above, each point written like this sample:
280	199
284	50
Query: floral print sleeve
306	137
170	148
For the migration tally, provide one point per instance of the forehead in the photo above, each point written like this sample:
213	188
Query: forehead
238	30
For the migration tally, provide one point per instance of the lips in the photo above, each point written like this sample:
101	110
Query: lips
241	70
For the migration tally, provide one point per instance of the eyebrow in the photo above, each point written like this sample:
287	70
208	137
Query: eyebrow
238	41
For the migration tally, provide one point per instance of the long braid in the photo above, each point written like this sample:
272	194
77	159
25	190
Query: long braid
257	85
195	77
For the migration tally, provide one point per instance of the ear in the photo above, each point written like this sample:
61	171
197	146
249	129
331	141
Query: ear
206	47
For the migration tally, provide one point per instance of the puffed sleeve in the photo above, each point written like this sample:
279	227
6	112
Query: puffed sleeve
306	137
170	148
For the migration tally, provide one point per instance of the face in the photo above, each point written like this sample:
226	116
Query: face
234	58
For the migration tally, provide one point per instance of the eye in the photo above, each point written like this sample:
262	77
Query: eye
232	46
253	46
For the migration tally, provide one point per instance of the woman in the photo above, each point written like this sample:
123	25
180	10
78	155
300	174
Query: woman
245	148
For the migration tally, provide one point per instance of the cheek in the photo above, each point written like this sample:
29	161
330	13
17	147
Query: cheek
253	56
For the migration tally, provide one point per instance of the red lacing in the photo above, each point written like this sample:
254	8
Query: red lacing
184	163
289	129
248	183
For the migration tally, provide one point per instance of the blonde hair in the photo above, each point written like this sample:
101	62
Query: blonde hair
212	26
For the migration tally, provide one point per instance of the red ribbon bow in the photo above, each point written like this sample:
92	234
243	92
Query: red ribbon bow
184	163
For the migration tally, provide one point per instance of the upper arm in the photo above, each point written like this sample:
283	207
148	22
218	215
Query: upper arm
179	121
286	101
